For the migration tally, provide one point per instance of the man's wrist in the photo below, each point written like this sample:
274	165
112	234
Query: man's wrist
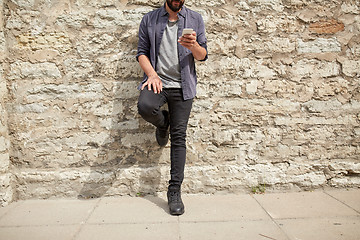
153	74
194	47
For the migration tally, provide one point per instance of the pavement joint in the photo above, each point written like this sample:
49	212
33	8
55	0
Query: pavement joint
85	222
272	219
342	202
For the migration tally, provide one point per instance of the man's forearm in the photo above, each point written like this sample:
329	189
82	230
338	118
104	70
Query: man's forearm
198	52
146	66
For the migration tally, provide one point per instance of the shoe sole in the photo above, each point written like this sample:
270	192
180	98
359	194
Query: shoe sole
177	213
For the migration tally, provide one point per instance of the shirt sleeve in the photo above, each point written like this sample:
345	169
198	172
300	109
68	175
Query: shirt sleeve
144	42
201	38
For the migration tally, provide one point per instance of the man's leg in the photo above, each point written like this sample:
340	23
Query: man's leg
179	117
149	105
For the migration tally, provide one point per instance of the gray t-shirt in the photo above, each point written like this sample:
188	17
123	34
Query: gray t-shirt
168	66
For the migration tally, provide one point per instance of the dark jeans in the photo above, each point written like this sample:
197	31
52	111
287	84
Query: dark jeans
149	108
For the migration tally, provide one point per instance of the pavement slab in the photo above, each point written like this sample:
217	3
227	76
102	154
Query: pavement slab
339	228
65	232
222	208
233	230
131	210
349	197
50	212
302	205
160	231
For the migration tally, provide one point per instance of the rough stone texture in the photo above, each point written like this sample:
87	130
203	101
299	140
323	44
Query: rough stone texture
327	26
6	188
278	101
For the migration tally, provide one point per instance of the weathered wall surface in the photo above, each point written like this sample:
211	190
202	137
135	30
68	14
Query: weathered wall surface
278	100
6	191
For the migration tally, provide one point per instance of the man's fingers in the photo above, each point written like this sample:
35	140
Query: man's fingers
156	86
144	85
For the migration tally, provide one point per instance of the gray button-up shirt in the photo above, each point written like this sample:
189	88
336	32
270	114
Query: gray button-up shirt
151	30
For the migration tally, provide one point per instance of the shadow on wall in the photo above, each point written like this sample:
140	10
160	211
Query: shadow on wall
128	162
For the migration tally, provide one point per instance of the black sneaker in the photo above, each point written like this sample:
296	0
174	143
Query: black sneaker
176	206
162	133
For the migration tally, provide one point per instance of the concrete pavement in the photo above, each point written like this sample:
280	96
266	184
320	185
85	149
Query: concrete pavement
318	215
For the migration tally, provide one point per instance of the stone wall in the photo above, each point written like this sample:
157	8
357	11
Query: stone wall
278	100
6	190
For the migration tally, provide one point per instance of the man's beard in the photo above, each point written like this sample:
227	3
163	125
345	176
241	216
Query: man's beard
175	8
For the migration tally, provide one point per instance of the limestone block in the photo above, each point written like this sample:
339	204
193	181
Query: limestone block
98	107
126	125
3	89
24	3
320	45
251	88
327	26
355	49
96	3
229	65
310	179
202	3
258	105
348	7
343	120
259	70
315	106
332	107
288	90
221	43
50	41
351	68
126	89
43	55
4	144
4	162
27	70
97	44
224	137
6	191
113	18
31	108
242	6
268	45
1	15
152	3
76	20
65	92
122	65
261	5
79	68
313	68
2	43
138	139
307	15
223	20
282	23
189	3
82	139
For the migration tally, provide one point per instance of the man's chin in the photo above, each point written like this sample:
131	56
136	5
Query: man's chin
175	6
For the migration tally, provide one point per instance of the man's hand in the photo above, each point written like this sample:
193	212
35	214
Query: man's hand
188	40
153	83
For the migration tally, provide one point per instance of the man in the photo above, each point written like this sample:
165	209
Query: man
167	59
